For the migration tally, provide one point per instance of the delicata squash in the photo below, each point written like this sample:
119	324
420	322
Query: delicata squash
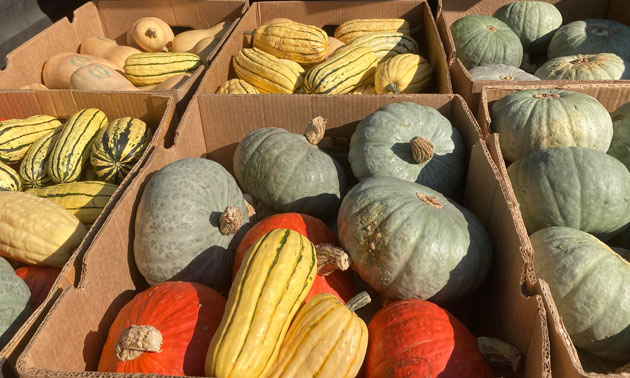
306	44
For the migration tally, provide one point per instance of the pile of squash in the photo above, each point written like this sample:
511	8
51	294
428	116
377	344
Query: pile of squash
530	35
569	171
154	59
365	56
68	173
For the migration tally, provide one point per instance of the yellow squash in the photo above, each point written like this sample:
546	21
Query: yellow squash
387	44
33	169
268	73
349	68
154	68
306	44
97	77
276	275
151	34
364	89
404	73
18	135
35	230
108	49
59	68
186	41
237	86
350	30
9	179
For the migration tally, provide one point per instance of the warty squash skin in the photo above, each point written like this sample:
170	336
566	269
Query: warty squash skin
9	179
534	22
270	286
353	29
59	68
602	66
29	237
572	187
18	135
588	282
620	145
15	306
39	280
591	36
97	77
535	119
108	49
409	241
301	43
34	166
403	73
500	72
178	230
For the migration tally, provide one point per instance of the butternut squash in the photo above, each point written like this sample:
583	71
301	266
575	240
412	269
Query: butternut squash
186	41
34	86
333	45
107	48
151	34
100	78
59	68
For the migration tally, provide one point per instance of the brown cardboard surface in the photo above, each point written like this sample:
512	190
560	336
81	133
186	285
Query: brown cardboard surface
212	127
112	19
332	13
157	111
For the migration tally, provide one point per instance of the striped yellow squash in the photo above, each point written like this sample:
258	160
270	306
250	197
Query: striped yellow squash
404	73
326	340
276	275
33	169
266	72
349	68
154	68
364	89
118	147
84	199
73	147
350	30
387	44
17	135
306	44
237	86
9	179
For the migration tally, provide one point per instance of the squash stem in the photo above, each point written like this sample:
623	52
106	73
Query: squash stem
315	130
421	149
331	259
135	340
230	221
499	353
360	300
393	88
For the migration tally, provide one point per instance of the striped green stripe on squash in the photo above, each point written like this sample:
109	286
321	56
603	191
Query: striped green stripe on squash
17	135
33	169
118	147
154	68
72	150
387	44
9	179
348	68
84	199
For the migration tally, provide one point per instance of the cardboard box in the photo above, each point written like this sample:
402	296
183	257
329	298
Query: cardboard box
155	110
112	19
212	127
451	11
564	357
328	15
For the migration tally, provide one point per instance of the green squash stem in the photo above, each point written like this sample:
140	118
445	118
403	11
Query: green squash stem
331	259
135	340
315	130
393	88
421	149
230	220
499	353
360	300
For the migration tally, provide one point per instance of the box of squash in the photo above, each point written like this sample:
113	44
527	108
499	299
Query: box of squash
329	47
97	49
255	257
526	41
65	159
573	187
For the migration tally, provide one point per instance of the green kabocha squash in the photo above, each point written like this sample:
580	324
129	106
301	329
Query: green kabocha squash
483	40
534	22
591	36
602	66
589	284
187	224
409	241
411	142
572	187
535	119
500	72
620	145
14	302
288	172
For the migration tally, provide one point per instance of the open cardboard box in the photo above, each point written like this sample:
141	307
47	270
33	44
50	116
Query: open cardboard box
212	127
155	110
564	356
112	19
572	10
328	15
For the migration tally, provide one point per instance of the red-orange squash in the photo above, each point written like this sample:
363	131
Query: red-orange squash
175	321
39	280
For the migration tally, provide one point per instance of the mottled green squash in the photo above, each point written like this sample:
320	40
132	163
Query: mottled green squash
178	224
535	119
620	145
589	285
602	66
412	142
483	40
14	302
572	187
534	22
409	241
591	36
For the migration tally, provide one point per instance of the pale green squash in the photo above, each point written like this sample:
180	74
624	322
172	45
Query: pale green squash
604	66
591	36
620	145
534	22
14	302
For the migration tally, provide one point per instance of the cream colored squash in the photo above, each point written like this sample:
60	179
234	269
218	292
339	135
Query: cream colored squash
186	41
34	86
151	34
107	48
100	78
170	83
59	68
333	45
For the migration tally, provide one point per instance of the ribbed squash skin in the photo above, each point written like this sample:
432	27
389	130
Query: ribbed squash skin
500	72
154	68
306	44
350	30
9	179
39	280
535	119
118	147
620	145
17	135
27	236
349	68
585	67
84	199
591	36
14	302
270	286
589	285
266	72
34	166
534	22
387	44
572	187
364	89
73	147
237	86
326	339
403	73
